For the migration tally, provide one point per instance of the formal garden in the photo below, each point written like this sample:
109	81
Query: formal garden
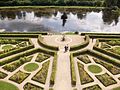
29	62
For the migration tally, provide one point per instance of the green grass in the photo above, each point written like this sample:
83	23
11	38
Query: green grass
31	67
7	47
7	86
94	69
118	88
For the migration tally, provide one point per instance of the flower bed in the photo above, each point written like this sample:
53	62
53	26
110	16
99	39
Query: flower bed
111	68
30	86
14	65
41	57
94	87
106	79
84	76
19	77
2	75
84	58
42	73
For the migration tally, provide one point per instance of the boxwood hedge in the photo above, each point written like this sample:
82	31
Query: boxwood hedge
54	68
72	67
26	53
42	43
82	45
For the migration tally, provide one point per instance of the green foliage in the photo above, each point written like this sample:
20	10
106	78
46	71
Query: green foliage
14	65
111	68
42	43
114	42
19	77
50	2
82	45
94	87
7	47
72	67
16	51
42	74
84	76
106	79
84	58
29	86
54	68
41	57
2	75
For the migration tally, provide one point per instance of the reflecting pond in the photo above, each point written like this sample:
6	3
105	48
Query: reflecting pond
32	20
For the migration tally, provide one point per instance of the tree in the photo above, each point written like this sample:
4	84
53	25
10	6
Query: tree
110	3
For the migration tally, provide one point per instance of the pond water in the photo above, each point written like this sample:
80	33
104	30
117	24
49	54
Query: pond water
30	21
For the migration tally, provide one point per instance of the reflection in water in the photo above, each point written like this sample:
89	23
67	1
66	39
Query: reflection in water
24	21
110	16
64	17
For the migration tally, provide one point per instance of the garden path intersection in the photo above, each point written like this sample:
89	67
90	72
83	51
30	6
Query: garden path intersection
63	78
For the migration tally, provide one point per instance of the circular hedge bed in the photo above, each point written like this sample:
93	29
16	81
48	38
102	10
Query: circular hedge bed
94	69
31	67
7	47
7	86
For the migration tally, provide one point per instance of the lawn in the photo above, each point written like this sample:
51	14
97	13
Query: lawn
7	86
94	69
31	67
7	47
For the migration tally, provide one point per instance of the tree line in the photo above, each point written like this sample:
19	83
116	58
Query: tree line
60	2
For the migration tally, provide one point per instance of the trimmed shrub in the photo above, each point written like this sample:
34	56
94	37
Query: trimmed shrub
105	58
54	68
26	53
106	79
100	34
72	67
14	58
14	65
84	76
41	76
84	44
43	44
94	87
104	36
42	57
28	86
107	52
22	49
80	53
111	68
3	75
84	58
19	77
